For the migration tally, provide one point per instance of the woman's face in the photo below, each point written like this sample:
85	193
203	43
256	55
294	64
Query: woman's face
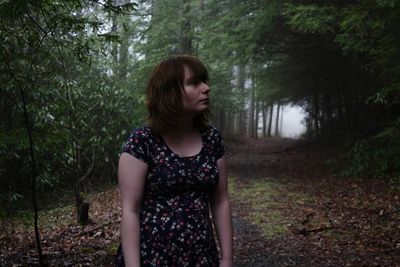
195	93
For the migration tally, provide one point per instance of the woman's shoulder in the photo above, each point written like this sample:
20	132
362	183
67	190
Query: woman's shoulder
212	135
212	131
141	130
142	133
214	141
139	143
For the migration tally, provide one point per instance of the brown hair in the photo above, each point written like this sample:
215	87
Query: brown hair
164	92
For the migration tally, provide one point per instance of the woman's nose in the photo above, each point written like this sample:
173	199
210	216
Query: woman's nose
206	88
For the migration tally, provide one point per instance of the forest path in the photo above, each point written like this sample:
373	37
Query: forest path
254	159
288	210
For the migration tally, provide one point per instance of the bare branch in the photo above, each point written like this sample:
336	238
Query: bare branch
91	167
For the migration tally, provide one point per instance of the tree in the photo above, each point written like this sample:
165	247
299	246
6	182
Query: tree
46	46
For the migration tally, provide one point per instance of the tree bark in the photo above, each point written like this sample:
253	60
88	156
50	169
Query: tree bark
32	162
186	41
242	115
123	56
316	112
271	112
252	111
264	118
256	119
222	121
277	118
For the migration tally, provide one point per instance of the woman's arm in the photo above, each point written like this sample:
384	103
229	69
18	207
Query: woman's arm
221	213
131	179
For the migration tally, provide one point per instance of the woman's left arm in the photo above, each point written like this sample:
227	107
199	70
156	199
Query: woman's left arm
221	213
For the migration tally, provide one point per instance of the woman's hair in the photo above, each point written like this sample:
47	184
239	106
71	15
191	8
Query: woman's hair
164	93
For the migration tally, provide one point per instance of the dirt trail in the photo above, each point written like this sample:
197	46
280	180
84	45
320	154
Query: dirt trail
338	222
248	160
342	222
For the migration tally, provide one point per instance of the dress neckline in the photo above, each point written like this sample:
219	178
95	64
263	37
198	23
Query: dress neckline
181	156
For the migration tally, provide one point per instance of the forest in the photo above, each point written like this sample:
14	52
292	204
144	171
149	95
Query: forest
74	75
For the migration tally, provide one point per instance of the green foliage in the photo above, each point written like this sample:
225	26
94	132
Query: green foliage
58	55
377	156
259	196
83	67
110	7
49	218
311	18
387	3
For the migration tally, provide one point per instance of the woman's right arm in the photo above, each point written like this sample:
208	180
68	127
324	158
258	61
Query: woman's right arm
131	179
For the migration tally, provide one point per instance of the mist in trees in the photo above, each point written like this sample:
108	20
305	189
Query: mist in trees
73	76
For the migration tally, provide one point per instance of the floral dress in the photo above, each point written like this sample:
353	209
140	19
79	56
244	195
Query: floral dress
175	225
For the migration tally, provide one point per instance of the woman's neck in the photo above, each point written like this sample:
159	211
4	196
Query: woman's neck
184	129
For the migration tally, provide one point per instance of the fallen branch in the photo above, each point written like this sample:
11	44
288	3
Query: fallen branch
92	229
304	143
305	231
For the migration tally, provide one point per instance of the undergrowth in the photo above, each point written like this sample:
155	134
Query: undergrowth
265	200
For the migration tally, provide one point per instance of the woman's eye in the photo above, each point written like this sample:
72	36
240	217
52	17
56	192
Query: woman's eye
193	82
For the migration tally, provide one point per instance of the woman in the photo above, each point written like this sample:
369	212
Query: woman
172	173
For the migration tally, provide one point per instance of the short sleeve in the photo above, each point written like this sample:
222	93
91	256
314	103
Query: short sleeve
138	144
219	144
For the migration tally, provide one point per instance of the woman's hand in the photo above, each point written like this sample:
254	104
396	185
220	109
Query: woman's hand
221	213
226	263
131	179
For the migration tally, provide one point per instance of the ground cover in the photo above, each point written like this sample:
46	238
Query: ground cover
309	217
288	210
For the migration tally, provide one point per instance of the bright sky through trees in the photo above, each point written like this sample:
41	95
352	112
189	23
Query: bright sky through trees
292	121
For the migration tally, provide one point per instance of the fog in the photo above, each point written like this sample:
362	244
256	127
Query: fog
292	121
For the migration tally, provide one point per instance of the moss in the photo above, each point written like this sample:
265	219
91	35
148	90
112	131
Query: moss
264	199
112	249
46	218
87	250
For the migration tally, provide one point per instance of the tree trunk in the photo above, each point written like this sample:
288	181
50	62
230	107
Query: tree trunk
340	106
252	111
277	118
256	119
264	119
83	210
114	52
186	42
222	121
271	112
32	162
328	111
316	112
229	123
123	56
281	123
242	117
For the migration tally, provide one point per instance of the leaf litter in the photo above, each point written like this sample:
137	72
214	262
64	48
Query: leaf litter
288	210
